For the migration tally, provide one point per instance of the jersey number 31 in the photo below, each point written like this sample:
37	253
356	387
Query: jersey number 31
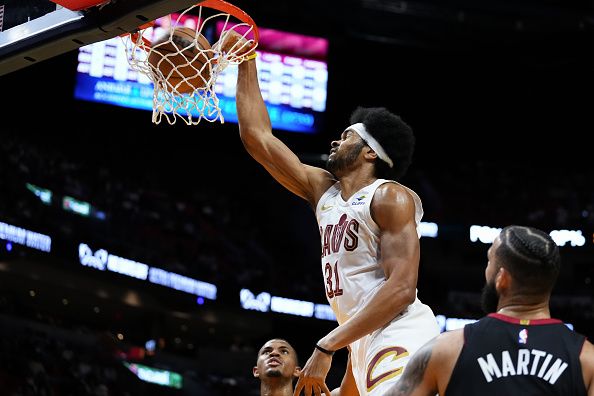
332	290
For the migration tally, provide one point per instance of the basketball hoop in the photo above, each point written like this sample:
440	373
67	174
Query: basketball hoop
79	5
184	70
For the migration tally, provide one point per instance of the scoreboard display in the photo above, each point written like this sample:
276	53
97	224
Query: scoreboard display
292	69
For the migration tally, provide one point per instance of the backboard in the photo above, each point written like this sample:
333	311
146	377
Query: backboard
35	30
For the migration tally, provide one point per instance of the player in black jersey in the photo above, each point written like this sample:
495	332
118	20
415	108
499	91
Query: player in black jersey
515	350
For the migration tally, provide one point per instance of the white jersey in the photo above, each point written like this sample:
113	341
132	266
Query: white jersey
350	247
352	274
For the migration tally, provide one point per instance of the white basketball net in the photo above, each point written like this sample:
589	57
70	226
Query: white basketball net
191	99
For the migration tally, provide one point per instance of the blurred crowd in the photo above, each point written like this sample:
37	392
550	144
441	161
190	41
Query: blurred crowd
209	227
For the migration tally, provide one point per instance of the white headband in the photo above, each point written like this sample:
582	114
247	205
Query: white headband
375	146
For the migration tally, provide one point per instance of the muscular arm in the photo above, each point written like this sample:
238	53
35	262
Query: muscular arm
393	209
255	131
587	361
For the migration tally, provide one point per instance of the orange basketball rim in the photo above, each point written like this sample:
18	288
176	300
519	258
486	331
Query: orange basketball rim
184	88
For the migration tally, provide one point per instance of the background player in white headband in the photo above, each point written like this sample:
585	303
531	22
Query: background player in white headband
369	238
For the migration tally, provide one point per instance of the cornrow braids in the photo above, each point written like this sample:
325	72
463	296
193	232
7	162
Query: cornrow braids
531	256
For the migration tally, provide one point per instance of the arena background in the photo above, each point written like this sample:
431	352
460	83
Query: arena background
498	94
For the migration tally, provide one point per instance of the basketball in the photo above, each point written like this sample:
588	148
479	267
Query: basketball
177	56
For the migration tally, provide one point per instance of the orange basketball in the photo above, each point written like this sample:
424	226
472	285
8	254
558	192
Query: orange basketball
178	58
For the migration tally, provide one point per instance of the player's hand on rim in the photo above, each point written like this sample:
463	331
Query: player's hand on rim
232	40
313	375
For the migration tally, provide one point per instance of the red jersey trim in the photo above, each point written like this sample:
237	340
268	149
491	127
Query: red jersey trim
525	322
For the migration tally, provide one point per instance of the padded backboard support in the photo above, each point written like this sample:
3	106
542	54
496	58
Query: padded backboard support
63	30
79	5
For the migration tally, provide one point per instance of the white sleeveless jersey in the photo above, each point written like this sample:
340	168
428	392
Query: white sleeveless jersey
350	247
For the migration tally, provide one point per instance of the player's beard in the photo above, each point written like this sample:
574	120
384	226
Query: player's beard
274	373
489	298
339	163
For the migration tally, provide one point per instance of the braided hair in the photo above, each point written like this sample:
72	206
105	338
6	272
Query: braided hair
394	135
532	258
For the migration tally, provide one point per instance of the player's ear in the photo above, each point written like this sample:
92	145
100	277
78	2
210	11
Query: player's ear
256	372
296	372
502	279
370	153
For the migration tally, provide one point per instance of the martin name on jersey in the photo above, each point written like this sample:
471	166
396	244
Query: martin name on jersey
527	362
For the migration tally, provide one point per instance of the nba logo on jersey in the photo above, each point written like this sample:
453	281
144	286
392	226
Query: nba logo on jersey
523	336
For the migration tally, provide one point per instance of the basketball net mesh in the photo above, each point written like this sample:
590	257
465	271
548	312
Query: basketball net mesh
191	98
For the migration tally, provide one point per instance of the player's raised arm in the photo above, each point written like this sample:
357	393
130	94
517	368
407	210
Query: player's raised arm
255	130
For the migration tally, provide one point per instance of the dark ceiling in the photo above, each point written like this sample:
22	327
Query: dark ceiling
475	79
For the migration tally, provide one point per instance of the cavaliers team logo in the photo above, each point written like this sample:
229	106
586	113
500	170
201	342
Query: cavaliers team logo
380	368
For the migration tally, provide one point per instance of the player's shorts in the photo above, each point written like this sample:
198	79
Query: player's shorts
378	359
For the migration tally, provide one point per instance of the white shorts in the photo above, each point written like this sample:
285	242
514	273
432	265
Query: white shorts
378	359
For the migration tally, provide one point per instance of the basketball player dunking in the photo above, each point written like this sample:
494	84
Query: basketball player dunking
517	349
369	236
